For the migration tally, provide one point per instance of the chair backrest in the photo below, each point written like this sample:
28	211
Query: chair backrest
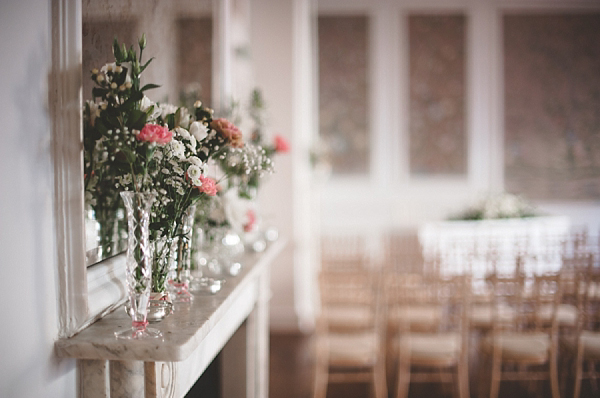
404	253
510	308
344	253
448	295
588	297
518	299
547	295
350	292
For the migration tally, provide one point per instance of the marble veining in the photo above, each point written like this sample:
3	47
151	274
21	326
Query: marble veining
184	330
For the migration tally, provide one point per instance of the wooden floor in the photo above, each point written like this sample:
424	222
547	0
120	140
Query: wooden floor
291	376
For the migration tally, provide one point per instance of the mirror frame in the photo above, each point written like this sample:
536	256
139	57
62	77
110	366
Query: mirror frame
88	293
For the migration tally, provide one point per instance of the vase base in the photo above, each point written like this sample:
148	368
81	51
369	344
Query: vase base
138	334
204	284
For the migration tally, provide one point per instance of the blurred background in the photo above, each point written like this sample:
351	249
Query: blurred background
399	114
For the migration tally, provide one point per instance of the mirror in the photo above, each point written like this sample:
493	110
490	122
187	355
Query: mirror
181	37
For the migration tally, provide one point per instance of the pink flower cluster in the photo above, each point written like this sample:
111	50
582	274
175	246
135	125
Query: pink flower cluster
249	226
229	131
155	133
281	145
209	186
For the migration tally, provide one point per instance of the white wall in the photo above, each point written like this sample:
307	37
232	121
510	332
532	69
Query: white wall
28	280
280	37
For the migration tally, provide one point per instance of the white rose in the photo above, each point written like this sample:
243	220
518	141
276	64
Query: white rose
146	103
198	130
167	109
183	132
184	119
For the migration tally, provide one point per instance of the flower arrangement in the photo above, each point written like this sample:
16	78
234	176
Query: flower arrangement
498	206
134	144
247	166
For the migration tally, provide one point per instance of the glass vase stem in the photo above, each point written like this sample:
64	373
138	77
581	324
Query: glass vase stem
138	264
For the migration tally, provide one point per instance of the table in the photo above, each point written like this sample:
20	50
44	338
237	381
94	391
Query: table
465	246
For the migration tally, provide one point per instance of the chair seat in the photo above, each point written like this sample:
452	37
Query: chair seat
349	317
352	349
481	315
434	349
590	341
418	317
566	314
519	347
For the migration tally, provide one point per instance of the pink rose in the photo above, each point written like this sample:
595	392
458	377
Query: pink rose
155	133
281	145
209	186
232	134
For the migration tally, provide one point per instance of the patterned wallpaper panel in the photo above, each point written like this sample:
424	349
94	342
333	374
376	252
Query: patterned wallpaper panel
343	92
194	66
552	105
438	140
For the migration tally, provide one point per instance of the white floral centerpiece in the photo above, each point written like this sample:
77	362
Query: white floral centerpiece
498	206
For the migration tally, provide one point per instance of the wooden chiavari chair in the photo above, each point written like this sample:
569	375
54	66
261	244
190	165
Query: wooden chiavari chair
523	349
582	348
350	348
439	354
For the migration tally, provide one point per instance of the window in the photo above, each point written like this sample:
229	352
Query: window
551	102
438	140
343	92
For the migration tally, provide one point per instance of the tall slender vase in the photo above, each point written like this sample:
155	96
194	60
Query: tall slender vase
138	265
183	254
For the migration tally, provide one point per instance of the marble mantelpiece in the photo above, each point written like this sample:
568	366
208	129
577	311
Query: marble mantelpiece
193	335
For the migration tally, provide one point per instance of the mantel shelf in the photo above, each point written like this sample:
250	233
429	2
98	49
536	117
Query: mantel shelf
208	320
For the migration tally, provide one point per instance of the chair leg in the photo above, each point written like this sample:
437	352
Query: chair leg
495	383
593	377
578	376
321	381
554	376
463	381
403	378
482	374
380	381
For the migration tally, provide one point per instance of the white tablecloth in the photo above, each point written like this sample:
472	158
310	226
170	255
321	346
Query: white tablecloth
460	246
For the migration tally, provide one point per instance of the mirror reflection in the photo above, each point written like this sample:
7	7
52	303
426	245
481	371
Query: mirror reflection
181	32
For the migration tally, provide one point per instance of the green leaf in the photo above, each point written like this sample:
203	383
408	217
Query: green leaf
145	65
99	92
129	154
131	101
137	119
170	120
149	86
100	127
